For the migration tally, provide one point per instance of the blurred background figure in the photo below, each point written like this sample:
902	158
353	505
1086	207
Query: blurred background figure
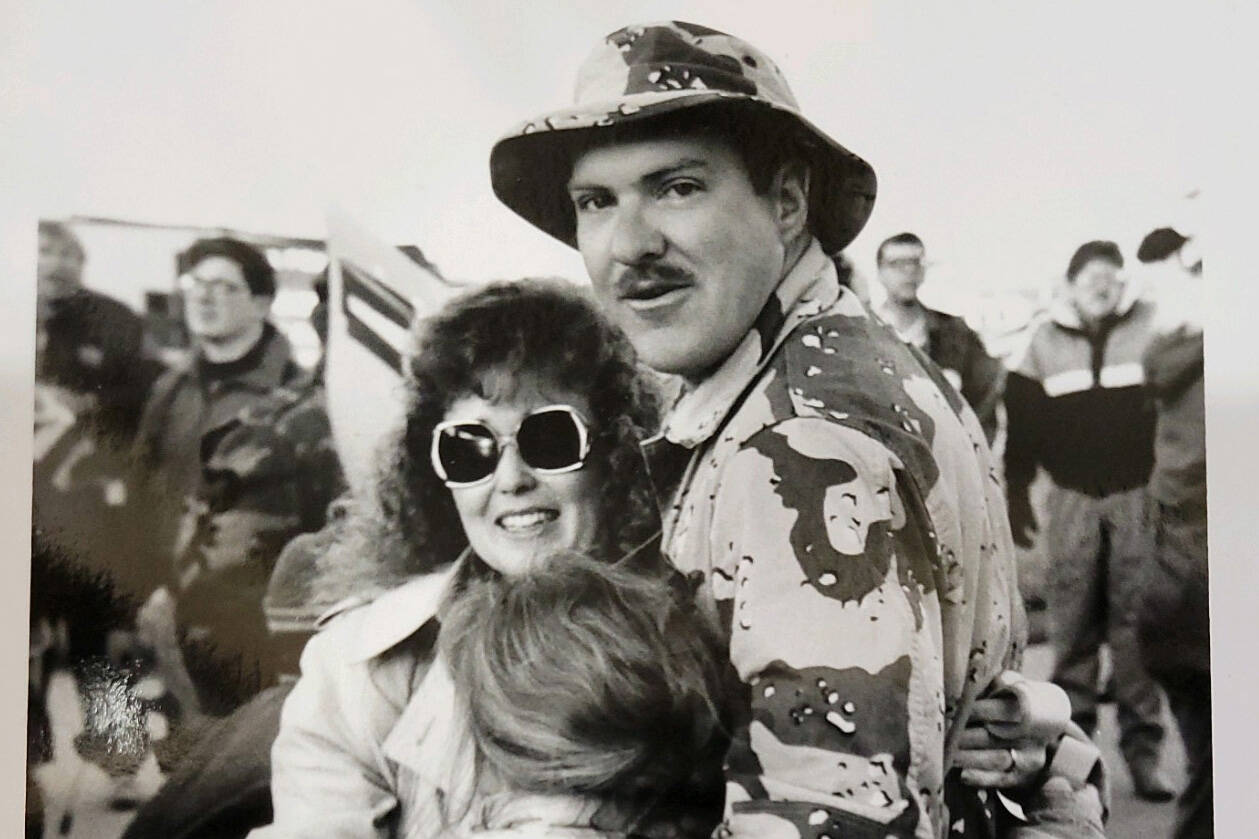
234	448
89	345
1077	407
1172	609
220	781
91	380
946	339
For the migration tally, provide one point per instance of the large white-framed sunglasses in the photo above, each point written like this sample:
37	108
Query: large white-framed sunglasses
551	440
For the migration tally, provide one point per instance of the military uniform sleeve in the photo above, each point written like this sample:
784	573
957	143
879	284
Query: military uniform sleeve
245	512
267	476
320	479
230	536
329	777
822	567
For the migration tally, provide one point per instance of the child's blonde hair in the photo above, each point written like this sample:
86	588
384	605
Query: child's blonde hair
584	677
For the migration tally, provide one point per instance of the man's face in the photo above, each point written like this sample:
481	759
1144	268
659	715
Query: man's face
681	250
901	271
217	303
60	267
1096	290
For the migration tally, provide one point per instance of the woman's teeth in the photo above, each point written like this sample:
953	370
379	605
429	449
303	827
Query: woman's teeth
526	520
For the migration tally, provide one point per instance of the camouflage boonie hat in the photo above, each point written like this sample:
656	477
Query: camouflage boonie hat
641	72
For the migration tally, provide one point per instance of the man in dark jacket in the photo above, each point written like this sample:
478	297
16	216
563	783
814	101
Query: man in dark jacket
1077	408
238	456
1172	608
946	339
90	385
89	344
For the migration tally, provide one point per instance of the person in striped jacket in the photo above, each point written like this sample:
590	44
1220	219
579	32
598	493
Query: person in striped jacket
1077	408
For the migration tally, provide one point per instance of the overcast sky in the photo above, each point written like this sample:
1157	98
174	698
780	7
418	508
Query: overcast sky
1005	134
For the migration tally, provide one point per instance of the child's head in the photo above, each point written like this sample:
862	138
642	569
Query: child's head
587	677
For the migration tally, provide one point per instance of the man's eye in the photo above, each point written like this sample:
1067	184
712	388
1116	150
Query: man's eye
680	189
595	201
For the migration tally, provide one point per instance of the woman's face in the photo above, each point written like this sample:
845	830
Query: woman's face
519	515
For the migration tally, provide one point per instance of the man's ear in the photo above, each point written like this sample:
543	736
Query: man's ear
262	304
790	191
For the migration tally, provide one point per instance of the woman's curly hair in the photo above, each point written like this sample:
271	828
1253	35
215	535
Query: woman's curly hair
545	328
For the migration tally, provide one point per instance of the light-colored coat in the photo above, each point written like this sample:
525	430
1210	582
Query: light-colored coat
370	742
373	741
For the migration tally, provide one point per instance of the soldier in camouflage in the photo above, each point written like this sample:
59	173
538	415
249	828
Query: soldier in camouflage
239	439
833	494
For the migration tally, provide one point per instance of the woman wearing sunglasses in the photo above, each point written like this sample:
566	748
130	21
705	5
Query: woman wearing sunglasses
525	412
521	445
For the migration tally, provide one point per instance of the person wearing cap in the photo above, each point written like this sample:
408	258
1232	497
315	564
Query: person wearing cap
1172	610
1077	407
235	456
946	339
830	493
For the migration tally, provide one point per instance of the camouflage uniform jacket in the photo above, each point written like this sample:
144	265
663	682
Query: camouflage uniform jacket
267	472
845	513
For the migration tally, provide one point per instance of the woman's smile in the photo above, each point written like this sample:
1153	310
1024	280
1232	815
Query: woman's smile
529	522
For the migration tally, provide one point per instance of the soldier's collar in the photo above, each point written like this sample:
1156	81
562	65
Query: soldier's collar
270	370
809	288
265	376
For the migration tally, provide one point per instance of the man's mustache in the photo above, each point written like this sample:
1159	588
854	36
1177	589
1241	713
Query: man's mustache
636	276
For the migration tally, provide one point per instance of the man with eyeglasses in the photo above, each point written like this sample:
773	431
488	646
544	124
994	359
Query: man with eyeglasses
236	456
946	339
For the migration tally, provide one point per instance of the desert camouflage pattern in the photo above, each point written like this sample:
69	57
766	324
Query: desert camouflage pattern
640	66
641	71
845	513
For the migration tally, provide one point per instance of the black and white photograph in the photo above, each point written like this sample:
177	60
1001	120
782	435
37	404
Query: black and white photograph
624	421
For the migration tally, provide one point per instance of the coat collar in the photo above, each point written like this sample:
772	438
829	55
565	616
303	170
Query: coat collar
398	614
809	288
276	358
271	370
431	736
